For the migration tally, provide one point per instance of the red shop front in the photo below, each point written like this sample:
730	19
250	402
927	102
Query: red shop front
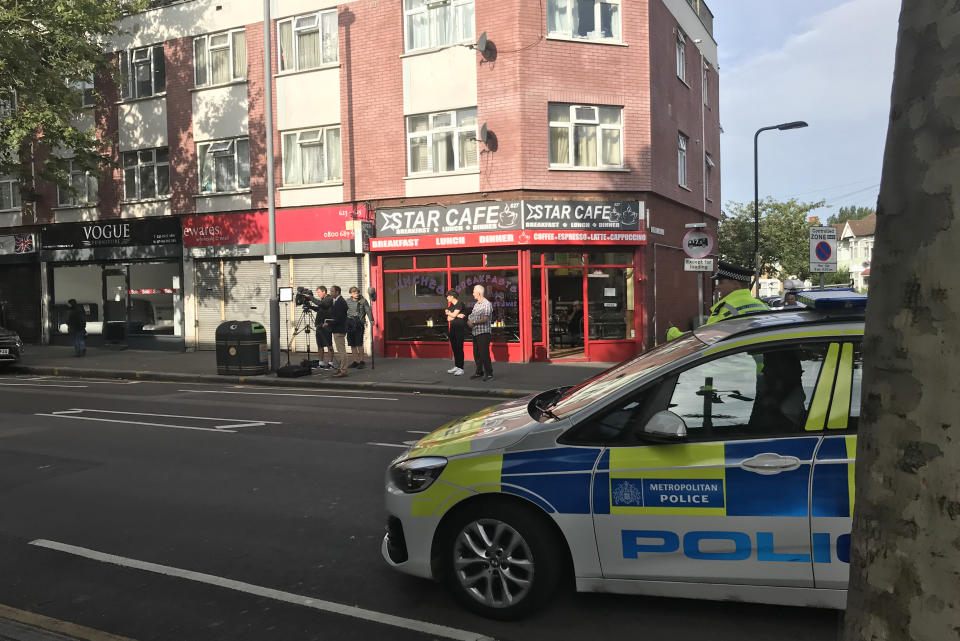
565	278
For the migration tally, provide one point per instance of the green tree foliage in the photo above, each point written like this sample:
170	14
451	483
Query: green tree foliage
784	236
47	47
839	277
849	213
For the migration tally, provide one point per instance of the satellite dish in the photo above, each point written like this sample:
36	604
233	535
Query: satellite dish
482	43
483	133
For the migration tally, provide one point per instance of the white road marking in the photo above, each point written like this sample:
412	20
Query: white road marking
199	418
278	595
416	432
111	420
387	444
38	385
212	391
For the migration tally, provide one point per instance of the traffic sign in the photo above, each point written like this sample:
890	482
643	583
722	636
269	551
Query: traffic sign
823	249
698	264
697	244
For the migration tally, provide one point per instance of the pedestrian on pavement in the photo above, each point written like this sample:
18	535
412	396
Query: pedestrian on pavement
479	324
336	324
456	313
358	311
733	284
324	303
77	326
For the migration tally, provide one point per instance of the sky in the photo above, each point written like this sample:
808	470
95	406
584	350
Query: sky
828	62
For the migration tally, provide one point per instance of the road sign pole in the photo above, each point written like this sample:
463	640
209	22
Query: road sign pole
699	297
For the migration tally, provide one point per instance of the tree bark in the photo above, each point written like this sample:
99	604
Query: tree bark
905	557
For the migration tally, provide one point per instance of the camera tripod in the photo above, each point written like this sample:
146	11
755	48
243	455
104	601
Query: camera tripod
304	325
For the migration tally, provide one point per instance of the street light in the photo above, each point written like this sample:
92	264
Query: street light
796	124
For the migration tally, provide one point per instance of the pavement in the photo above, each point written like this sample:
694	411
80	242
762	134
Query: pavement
423	375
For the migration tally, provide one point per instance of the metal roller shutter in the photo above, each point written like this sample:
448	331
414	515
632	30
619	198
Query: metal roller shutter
309	272
246	291
209	301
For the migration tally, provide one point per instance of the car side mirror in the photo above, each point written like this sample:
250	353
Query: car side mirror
665	426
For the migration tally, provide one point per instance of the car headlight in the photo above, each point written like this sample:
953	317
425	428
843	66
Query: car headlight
416	474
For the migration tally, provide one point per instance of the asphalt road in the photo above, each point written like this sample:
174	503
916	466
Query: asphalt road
200	512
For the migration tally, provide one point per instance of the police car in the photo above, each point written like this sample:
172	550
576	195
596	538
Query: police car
719	466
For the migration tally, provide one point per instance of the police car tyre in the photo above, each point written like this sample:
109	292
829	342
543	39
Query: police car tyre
500	560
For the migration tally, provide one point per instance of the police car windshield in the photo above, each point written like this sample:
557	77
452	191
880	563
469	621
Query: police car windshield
622	375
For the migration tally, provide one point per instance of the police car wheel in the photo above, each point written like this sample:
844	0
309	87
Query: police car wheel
500	561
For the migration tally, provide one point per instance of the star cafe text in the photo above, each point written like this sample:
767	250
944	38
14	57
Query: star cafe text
601	212
503	215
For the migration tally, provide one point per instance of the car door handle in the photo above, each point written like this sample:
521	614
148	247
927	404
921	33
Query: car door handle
769	463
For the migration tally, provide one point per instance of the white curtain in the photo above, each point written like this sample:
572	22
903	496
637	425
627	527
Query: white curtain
463	22
585	145
560	145
610	20
291	160
239	55
441	24
308	49
331	51
200	61
311	162
243	163
225	170
611	147
334	162
286	46
468	149
559	20
443	151
418	31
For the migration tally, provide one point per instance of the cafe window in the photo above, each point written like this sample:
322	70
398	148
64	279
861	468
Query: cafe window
611	302
414	298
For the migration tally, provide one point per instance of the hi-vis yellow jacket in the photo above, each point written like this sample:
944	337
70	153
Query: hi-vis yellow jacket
733	304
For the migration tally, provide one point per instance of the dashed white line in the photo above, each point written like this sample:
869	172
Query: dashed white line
38	385
387	444
364	614
416	432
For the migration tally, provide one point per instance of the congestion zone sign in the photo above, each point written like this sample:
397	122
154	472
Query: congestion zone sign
823	249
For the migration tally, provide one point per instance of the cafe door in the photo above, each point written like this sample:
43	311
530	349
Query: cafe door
564	294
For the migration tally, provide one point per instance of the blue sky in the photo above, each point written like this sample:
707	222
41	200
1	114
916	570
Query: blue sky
828	62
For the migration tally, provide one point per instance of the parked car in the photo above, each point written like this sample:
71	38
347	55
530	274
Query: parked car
11	347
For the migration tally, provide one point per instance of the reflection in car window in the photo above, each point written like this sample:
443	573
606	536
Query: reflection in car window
620	376
855	388
749	393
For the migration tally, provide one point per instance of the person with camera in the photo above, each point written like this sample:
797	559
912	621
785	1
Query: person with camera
322	304
358	311
336	324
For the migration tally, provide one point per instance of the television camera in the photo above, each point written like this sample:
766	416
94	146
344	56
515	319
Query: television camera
304	296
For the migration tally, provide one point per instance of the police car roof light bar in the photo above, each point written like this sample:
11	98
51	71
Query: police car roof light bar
833	300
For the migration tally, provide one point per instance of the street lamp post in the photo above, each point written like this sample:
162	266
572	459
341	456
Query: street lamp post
796	124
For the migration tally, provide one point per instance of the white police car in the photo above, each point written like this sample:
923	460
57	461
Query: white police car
717	466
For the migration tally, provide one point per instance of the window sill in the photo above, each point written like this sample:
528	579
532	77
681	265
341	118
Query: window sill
127	101
10	211
620	170
421	52
466	172
685	188
310	186
589	41
684	82
213	194
297	72
70	207
219	85
143	201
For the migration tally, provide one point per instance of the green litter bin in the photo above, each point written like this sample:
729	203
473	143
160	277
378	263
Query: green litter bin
242	348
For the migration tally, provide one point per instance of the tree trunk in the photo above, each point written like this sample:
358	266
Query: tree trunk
905	561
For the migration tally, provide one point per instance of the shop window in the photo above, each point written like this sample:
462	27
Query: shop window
220	58
427	262
398	262
224	165
610	294
83	189
585	136
536	298
9	195
466	260
502	289
146	174
610	258
413	304
587	19
438	23
83	283
442	142
306	42
151	308
505	259
311	156
562	258
142	72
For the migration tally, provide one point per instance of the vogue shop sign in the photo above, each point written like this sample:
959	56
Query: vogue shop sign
483	224
119	233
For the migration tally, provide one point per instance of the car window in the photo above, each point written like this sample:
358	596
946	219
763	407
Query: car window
623	421
855	387
748	394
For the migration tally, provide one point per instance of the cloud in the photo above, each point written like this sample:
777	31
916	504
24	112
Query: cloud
835	71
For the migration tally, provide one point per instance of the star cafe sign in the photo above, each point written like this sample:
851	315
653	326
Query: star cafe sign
468	217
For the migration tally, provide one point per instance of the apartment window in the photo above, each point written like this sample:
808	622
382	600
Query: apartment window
142	72
146	174
585	136
440	142
438	23
8	103
224	165
682	160
311	156
9	194
708	165
308	41
588	19
705	86
681	55
220	58
84	185
88	97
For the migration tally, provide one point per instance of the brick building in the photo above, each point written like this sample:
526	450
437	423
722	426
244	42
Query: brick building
551	151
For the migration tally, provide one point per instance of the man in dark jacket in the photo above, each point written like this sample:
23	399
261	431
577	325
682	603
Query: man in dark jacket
323	304
337	325
77	326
